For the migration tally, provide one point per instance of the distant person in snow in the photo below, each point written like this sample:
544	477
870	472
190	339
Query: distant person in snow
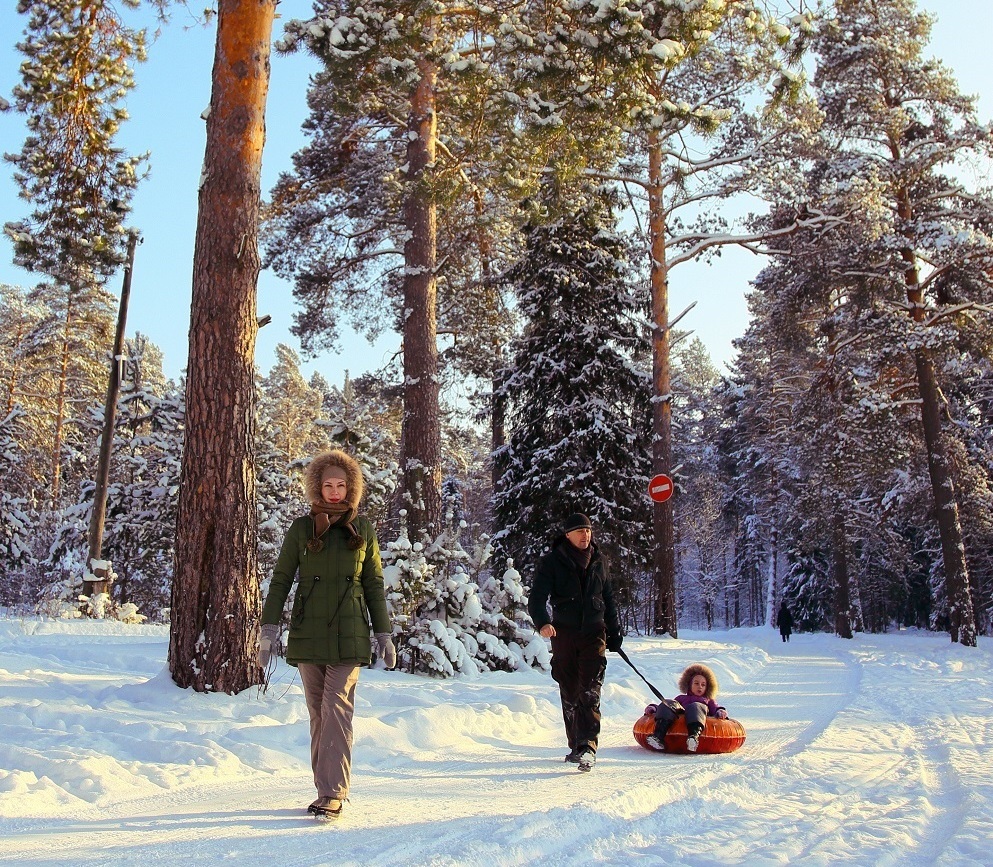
784	620
583	625
340	587
699	686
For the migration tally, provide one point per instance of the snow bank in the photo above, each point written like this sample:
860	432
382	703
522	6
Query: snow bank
876	750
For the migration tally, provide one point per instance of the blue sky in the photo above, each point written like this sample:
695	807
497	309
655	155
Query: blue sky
173	88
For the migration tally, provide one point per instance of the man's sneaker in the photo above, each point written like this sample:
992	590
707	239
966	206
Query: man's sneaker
655	742
573	757
325	808
586	760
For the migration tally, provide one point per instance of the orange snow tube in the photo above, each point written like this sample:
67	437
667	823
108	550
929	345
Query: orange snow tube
719	735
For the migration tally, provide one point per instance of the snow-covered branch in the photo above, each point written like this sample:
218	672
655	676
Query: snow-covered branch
958	308
700	242
711	163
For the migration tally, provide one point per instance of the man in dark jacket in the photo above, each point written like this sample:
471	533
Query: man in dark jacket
582	627
784	620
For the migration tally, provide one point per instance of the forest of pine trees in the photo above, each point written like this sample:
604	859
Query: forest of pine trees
512	188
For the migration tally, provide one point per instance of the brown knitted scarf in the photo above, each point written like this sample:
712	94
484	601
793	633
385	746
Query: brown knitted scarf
328	515
581	556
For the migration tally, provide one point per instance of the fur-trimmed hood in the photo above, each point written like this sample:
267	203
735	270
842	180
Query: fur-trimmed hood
353	477
691	671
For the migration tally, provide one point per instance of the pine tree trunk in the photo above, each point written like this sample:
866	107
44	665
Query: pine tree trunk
60	403
420	459
840	578
773	590
498	430
664	560
498	401
215	593
16	366
737	593
961	616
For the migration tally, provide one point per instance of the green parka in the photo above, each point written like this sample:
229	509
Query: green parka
340	588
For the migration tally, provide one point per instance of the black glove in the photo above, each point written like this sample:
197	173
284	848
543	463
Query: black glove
614	640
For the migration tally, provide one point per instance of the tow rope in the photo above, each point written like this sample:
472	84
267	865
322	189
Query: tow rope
658	695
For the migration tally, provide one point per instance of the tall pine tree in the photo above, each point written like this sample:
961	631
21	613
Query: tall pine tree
577	404
895	124
76	74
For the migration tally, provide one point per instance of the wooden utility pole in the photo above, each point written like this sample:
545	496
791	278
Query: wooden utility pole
97	578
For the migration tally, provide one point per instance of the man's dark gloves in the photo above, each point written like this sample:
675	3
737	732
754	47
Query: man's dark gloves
614	641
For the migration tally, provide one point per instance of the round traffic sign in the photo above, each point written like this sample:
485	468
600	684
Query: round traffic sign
661	488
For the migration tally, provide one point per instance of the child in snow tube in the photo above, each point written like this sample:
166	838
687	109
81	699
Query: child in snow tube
699	686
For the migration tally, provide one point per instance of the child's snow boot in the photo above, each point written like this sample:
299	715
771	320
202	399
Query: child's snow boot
693	737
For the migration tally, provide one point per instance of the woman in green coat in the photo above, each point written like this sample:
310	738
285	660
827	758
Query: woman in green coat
335	556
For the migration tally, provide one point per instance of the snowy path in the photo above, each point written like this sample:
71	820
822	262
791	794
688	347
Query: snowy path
471	772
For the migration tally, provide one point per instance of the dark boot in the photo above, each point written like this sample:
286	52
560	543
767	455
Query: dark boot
665	716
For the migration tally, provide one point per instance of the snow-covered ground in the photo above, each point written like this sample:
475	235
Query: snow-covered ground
877	750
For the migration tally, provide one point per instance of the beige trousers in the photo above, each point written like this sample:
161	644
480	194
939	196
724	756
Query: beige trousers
330	694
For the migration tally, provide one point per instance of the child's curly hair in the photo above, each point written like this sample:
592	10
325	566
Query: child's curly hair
691	671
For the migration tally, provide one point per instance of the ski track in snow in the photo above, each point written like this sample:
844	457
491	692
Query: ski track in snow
843	764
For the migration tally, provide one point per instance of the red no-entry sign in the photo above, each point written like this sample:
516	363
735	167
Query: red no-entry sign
661	488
